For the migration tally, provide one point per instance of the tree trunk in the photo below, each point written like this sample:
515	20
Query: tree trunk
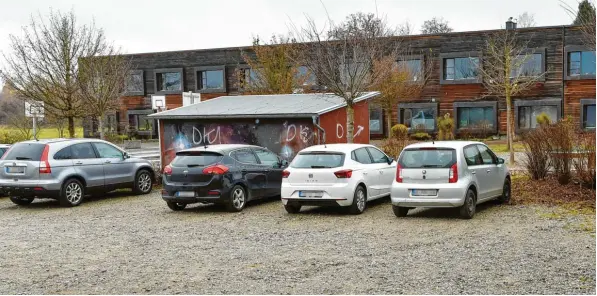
510	128
71	126
389	122
349	123
100	126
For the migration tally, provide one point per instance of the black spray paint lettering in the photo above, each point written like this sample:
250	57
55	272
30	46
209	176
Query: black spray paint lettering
208	137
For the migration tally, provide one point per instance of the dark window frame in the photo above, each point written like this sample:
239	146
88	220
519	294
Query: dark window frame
463	54
142	112
156	72
573	48
479	104
543	52
583	103
381	120
198	79
434	105
419	57
135	93
528	103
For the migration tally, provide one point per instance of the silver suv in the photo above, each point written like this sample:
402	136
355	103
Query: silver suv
68	169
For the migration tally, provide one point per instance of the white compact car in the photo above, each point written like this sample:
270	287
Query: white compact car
449	174
346	175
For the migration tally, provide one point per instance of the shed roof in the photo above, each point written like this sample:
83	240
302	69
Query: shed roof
263	106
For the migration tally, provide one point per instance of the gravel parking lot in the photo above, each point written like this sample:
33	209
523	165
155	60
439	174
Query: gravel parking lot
135	244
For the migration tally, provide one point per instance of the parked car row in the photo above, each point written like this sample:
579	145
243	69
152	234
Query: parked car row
435	174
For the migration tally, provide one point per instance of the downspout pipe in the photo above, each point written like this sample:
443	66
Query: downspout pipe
315	123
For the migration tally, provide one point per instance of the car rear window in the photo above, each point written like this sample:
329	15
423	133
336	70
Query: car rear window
318	160
25	151
196	158
2	150
427	158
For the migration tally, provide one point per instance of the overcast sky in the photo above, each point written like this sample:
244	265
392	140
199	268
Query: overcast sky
151	25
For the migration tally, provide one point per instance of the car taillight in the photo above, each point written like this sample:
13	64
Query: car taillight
216	169
168	170
285	174
44	165
453	177
343	174
398	174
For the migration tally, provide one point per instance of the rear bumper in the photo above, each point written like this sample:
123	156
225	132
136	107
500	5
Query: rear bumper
27	191
338	195
169	193
448	195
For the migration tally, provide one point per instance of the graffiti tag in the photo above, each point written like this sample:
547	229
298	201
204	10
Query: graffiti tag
207	137
359	130
339	131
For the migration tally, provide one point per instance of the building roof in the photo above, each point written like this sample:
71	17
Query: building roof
261	106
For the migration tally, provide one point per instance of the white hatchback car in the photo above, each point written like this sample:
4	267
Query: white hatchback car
346	175
449	174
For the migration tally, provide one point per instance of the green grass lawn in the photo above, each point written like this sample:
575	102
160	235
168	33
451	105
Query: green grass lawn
46	133
503	147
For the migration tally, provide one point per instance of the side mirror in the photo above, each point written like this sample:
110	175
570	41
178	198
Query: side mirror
126	155
501	160
283	163
390	160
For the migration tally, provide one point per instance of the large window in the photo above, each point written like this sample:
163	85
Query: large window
587	115
354	71
168	80
375	120
461	68
526	111
418	116
476	116
134	84
305	76
413	67
529	65
210	79
140	122
247	78
581	63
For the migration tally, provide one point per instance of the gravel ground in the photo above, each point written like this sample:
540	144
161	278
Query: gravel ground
136	245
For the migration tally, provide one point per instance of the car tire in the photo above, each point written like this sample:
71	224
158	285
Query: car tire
237	200
72	193
21	201
143	182
467	210
176	206
400	211
359	201
506	192
292	209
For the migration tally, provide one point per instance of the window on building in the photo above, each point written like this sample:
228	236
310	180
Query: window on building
527	115
352	72
581	63
306	76
413	67
134	83
418	118
375	121
461	68
588	116
530	65
475	117
247	78
140	122
168	81
210	79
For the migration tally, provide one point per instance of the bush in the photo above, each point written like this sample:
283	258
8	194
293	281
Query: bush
445	126
543	119
537	153
393	147
585	163
400	131
11	137
421	136
560	139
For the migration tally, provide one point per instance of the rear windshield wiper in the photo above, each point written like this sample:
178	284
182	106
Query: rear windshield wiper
320	167
431	166
22	158
193	165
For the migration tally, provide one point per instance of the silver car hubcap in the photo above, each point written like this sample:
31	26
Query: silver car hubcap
74	193
471	204
238	198
361	200
144	182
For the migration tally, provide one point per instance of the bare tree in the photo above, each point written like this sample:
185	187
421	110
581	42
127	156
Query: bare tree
343	59
584	17
507	71
102	81
406	78
436	25
405	29
273	68
526	20
43	63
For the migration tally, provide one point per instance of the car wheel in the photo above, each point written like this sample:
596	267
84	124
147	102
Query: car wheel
359	201
400	211
72	193
143	182
21	201
506	192
237	200
292	209
467	210
176	206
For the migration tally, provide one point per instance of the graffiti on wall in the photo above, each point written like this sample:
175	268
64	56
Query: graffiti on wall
340	131
285	138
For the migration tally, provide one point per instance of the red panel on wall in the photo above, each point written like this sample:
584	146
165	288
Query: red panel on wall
334	124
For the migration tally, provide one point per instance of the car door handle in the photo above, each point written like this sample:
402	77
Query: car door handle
365	173
381	172
473	172
78	163
243	171
267	170
489	171
107	161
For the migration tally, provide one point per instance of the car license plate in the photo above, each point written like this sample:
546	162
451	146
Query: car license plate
15	170
185	194
311	194
424	192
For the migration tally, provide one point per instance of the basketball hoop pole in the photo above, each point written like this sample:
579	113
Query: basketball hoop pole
35	127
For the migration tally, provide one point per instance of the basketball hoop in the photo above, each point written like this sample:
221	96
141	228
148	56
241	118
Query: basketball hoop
158	103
